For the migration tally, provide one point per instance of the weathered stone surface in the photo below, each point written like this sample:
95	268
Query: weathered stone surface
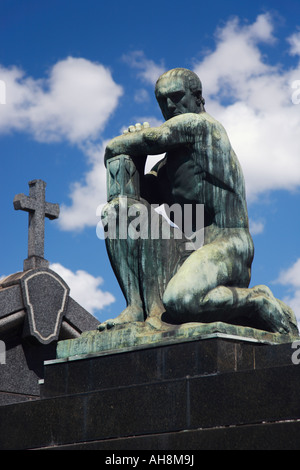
11	300
78	317
37	207
45	297
33	317
35	309
23	368
139	334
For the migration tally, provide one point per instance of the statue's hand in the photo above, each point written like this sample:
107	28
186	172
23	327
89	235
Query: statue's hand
137	127
116	145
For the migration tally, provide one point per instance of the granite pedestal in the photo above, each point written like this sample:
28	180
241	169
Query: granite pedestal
217	392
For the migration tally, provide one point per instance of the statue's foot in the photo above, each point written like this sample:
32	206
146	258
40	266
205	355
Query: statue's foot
157	323
272	312
155	318
129	315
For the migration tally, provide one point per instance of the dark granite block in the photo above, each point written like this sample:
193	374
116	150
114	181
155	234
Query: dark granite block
103	372
137	410
180	360
266	436
273	356
130	368
77	316
42	423
211	390
23	366
245	397
10	300
134	410
245	355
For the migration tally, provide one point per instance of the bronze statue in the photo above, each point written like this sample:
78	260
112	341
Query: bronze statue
171	280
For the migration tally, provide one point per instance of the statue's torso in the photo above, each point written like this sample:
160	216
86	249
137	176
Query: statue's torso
206	172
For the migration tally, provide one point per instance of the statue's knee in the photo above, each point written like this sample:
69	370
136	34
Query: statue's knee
124	206
125	218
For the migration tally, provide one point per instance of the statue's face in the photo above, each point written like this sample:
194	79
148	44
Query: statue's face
175	97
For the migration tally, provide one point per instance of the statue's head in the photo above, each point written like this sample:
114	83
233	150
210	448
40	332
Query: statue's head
179	91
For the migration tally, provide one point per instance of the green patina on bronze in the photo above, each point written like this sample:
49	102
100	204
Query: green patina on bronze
166	285
142	335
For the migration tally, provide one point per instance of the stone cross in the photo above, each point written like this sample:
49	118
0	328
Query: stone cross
37	207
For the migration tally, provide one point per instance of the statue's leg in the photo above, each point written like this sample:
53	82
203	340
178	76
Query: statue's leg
256	307
161	255
145	252
123	254
211	285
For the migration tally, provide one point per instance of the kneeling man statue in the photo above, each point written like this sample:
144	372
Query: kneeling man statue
179	270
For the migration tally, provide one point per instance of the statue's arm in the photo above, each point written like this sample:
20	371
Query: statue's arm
180	130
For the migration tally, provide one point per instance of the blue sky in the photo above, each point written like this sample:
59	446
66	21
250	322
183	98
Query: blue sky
76	73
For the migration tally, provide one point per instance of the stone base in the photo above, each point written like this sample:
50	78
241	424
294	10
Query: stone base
141	334
214	393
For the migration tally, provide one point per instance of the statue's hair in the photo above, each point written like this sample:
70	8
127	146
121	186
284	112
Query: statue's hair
192	78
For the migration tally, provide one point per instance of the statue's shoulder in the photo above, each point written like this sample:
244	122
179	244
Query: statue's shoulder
211	121
191	120
205	119
212	127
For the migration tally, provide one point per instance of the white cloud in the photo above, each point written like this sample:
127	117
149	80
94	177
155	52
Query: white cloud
294	41
149	70
291	278
141	96
84	288
252	99
235	58
88	195
73	103
256	227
